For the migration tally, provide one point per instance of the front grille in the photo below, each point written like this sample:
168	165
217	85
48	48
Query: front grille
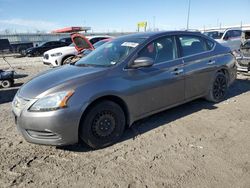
46	56
245	52
244	63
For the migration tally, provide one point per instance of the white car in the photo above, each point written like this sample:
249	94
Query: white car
57	56
229	37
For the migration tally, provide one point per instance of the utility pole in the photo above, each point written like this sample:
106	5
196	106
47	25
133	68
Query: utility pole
154	22
189	2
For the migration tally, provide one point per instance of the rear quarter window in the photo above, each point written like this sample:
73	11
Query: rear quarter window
191	45
210	44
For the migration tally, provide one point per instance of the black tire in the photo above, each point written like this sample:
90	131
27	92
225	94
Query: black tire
36	54
67	60
103	125
7	83
218	88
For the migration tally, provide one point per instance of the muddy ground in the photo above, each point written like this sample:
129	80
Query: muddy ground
198	144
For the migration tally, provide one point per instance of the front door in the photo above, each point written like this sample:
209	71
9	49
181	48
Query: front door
161	85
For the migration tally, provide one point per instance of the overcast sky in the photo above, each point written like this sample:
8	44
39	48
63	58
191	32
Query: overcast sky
119	15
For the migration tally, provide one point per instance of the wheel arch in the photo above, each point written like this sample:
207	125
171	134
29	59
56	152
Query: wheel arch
225	72
113	98
65	57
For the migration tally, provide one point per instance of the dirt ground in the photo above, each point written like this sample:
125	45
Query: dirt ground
198	144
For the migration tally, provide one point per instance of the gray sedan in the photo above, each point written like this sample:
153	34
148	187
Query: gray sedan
124	80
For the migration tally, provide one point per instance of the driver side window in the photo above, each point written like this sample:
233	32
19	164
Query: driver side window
160	50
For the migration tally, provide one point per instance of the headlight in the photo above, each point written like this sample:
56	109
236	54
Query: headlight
56	54
52	102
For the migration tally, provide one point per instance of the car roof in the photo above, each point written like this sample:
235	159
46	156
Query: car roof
97	36
158	33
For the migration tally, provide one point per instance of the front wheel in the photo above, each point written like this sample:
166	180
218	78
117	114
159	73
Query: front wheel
218	88
103	125
67	60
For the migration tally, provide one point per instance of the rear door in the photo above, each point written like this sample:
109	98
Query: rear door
47	46
199	64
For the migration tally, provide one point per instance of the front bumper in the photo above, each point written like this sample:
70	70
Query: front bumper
57	128
243	64
52	61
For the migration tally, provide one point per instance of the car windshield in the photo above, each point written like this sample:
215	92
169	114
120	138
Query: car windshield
214	34
111	53
97	44
41	44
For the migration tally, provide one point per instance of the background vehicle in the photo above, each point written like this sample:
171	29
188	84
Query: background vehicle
39	50
59	56
243	55
4	46
66	40
74	59
7	77
229	37
122	81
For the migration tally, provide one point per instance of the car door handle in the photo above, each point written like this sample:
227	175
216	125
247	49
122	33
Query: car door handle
177	71
211	62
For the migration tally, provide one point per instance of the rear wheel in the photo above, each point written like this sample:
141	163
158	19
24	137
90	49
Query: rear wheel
103	125
218	88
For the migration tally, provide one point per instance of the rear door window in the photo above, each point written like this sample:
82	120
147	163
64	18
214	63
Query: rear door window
210	44
191	45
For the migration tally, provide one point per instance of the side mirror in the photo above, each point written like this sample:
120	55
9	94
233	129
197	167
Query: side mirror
142	62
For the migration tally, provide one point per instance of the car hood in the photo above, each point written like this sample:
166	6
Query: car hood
58	79
62	50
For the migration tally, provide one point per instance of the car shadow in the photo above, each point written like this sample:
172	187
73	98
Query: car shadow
166	117
7	95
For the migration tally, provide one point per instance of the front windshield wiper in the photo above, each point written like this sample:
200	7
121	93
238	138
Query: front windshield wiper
82	65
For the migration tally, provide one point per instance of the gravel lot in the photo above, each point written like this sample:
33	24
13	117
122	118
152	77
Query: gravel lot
198	144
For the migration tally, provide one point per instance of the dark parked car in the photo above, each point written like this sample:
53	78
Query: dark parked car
66	40
39	50
122	81
4	46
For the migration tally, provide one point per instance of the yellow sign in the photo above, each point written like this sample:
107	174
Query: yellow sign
142	24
